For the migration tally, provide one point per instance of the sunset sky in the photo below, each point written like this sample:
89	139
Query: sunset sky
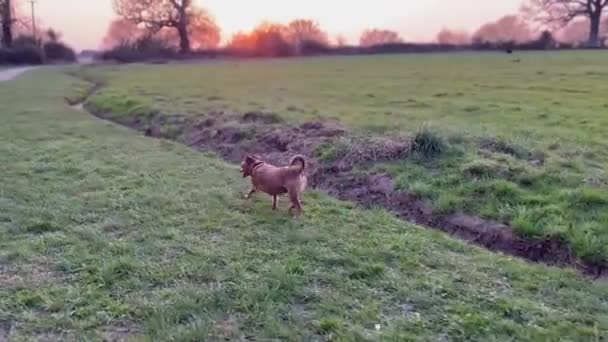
84	22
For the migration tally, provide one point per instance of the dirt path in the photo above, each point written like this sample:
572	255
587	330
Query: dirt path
10	74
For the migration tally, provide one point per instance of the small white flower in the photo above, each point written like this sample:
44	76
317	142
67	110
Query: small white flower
377	327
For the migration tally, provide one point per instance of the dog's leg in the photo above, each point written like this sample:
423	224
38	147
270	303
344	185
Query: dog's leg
275	200
251	192
295	202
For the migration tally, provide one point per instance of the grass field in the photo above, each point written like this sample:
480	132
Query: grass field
108	234
527	132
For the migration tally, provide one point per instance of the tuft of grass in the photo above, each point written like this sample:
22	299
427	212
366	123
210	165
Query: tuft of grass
533	222
41	228
590	241
428	143
328	326
352	151
501	145
589	198
484	168
120	106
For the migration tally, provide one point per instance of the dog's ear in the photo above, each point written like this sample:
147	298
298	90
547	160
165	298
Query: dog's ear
249	159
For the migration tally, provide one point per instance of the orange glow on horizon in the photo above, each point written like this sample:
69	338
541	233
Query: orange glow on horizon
84	22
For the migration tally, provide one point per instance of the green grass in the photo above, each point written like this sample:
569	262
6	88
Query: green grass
104	232
526	133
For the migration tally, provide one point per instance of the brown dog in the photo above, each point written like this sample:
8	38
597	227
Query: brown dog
275	180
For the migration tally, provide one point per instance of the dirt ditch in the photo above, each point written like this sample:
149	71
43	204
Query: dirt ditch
233	135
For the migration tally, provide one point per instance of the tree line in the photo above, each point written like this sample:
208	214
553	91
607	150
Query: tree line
181	25
185	26
515	29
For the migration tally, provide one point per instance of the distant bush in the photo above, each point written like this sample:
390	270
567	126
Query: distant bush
272	44
29	50
88	53
143	49
56	51
311	47
266	40
21	55
545	41
269	41
24	50
26	41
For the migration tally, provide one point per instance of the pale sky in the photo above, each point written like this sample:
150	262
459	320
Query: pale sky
84	22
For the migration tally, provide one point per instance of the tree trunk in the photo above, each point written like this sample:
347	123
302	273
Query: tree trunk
594	31
184	39
7	35
7	22
182	28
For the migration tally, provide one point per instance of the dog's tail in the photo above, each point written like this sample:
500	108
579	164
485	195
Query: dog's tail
298	161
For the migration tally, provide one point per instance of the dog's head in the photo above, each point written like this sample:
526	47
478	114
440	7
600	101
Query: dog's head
247	165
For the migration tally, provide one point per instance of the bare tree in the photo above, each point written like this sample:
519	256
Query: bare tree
577	32
241	41
13	23
303	30
53	35
453	37
266	40
562	12
121	31
340	40
509	28
271	40
159	14
379	37
6	17
203	31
